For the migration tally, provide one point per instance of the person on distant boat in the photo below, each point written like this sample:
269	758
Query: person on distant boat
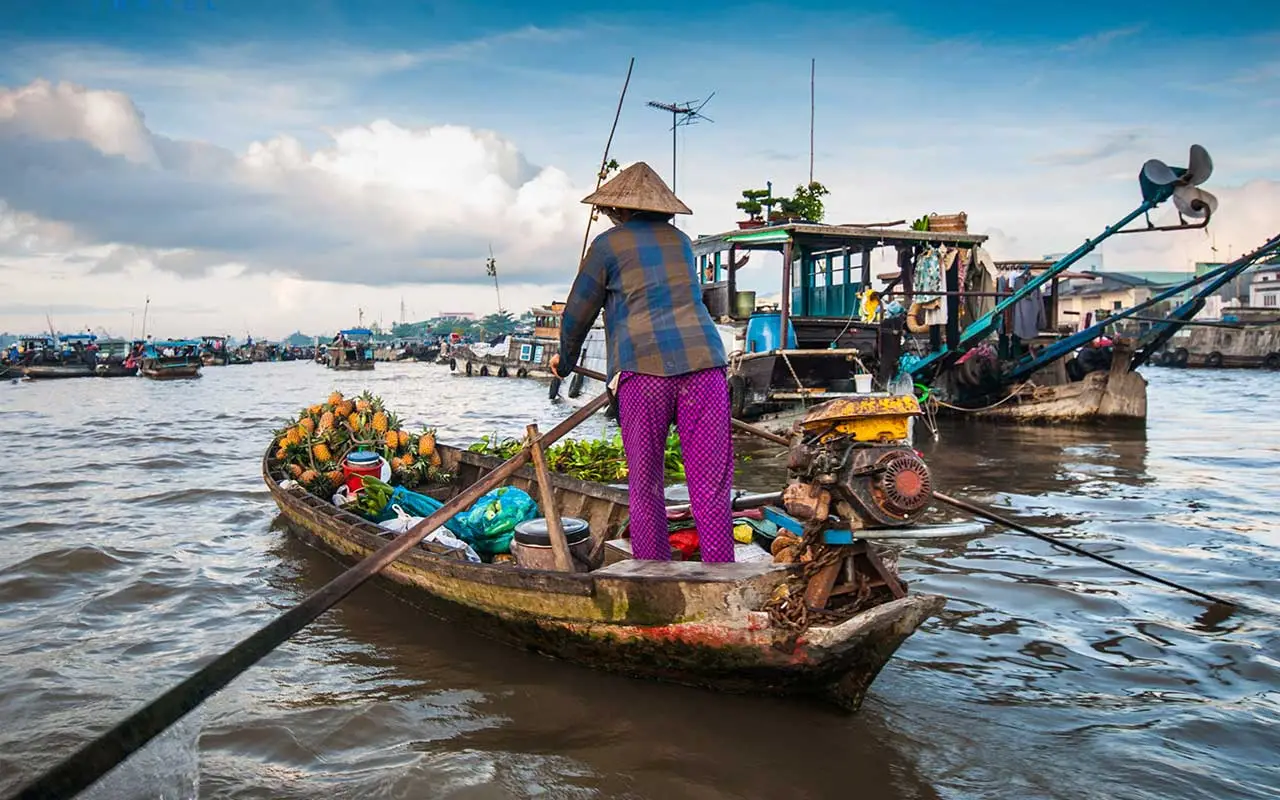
666	359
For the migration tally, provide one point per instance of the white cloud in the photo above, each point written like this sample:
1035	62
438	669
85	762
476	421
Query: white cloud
380	204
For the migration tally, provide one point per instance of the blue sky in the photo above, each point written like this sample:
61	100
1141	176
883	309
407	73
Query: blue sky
1034	120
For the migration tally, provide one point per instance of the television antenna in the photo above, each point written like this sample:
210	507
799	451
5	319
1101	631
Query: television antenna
682	114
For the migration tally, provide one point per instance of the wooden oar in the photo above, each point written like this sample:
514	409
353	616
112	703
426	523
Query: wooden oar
81	769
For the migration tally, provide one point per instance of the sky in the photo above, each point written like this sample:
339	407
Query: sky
261	167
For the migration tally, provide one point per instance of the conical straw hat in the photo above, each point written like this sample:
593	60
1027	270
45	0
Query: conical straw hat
638	188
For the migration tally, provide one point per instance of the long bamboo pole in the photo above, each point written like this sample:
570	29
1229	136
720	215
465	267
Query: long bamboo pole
85	766
604	162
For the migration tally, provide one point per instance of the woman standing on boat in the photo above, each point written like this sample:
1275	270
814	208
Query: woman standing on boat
666	359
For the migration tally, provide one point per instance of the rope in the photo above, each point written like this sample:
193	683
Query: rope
1016	391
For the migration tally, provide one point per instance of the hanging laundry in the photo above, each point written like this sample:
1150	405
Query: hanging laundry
928	285
981	278
1028	313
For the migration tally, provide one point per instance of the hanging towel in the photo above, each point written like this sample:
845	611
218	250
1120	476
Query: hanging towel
1028	313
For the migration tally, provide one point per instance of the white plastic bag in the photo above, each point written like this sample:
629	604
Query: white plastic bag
441	535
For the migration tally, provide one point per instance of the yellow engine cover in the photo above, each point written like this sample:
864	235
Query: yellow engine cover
863	419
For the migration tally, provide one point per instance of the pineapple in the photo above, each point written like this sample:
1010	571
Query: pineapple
326	422
307	424
344	409
281	454
308	477
407	459
436	460
380	423
321	452
392	440
405	439
354	421
427	444
363	405
333	476
290	437
335	398
295	470
397	463
313	410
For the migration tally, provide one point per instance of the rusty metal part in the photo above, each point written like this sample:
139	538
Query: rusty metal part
805	501
861	419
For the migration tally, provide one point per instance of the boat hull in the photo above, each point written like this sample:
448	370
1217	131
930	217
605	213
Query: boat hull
682	622
115	371
166	372
352	366
47	371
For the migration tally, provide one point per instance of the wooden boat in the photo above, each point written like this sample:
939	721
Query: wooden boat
352	350
169	360
47	371
1113	395
8	371
683	622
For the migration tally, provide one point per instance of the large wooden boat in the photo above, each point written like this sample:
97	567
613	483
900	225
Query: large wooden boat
684	622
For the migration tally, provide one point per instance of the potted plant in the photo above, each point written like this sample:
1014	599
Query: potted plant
804	206
753	203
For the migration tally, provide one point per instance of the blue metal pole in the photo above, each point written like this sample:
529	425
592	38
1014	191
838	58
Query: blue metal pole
983	327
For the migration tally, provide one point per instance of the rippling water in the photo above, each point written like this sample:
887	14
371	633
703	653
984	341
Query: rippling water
137	541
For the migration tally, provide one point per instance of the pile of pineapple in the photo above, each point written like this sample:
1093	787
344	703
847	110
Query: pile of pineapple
312	446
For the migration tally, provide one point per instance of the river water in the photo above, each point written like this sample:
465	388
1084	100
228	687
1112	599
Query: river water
137	540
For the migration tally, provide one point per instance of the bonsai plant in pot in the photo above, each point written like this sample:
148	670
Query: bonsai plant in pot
753	203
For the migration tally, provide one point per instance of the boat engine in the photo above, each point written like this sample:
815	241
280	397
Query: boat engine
852	458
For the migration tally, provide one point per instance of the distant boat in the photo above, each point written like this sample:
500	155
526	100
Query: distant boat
115	359
353	350
213	351
70	357
167	360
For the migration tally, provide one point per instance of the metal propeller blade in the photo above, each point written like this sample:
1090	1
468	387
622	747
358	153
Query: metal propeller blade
1159	173
1199	166
1193	203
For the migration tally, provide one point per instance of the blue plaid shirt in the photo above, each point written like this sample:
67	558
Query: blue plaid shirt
643	274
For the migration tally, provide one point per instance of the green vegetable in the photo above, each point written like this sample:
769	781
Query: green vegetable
598	460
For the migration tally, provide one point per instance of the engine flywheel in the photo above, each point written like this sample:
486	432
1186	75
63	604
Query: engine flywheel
905	483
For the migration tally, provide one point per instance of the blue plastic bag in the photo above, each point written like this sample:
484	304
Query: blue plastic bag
488	526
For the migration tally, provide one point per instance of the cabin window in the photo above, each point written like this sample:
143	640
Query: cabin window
526	352
537	354
1117	305
1269	300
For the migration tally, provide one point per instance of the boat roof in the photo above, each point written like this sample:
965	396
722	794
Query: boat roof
356	332
223	338
175	343
819	237
78	337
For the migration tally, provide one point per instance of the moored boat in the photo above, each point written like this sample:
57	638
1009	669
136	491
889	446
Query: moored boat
679	621
167	360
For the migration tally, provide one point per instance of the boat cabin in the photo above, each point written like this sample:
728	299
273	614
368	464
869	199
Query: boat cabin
832	307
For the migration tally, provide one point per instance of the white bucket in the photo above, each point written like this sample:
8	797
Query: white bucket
862	383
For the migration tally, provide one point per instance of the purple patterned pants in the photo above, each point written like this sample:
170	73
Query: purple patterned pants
698	403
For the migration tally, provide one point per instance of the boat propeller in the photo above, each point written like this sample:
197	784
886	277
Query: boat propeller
1160	182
